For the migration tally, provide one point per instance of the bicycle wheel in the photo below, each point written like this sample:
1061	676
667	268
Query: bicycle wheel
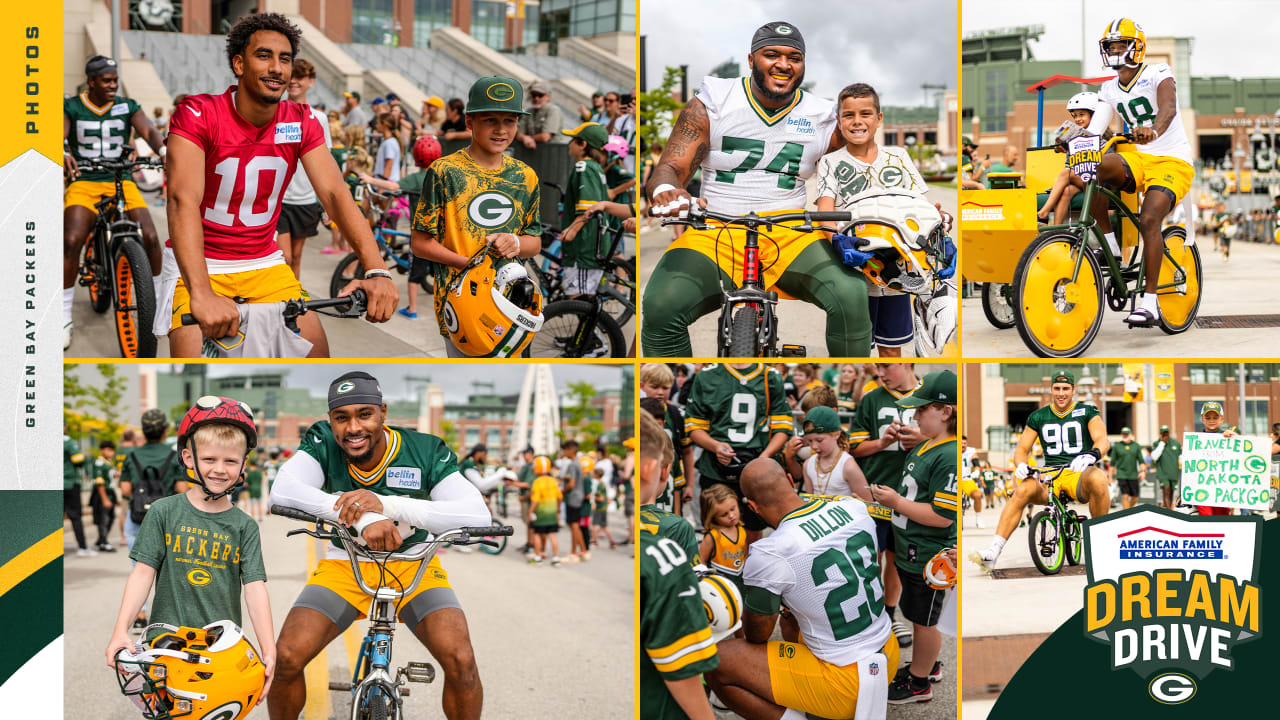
1055	316
500	539
99	287
621	274
561	325
1074	538
135	301
996	305
1045	543
742	336
348	269
1179	305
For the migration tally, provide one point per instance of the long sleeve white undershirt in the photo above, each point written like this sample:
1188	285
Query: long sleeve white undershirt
454	502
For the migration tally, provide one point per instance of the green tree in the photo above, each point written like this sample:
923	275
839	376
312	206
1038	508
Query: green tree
727	69
658	108
93	409
449	433
580	414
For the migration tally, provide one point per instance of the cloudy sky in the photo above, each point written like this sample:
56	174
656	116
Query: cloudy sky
1231	37
455	380
895	47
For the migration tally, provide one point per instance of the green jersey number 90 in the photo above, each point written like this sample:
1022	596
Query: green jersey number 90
1063	439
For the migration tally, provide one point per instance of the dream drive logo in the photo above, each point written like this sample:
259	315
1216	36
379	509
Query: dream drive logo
1171	594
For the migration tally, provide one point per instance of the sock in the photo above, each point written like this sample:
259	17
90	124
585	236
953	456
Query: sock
791	714
1148	301
68	296
1111	242
997	544
891	609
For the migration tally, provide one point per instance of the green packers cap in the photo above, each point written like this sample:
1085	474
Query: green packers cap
154	421
822	419
1210	407
591	133
967	141
1065	376
496	94
937	387
1164	428
1126	430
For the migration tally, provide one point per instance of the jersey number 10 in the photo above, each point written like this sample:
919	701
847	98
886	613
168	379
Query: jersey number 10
227	171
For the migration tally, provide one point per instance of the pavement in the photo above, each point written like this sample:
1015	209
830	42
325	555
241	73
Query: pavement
550	642
799	323
399	337
1230	288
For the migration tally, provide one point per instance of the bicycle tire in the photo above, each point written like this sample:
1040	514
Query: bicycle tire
378	708
742	335
625	271
348	269
996	305
1178	310
1055	317
1038	536
560	323
134	287
500	539
99	287
1074	539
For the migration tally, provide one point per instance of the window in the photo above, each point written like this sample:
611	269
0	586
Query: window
493	438
1255	420
1001	438
373	23
428	15
472	436
489	23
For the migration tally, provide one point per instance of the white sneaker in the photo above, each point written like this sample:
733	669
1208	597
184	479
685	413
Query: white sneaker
978	518
985	558
66	335
86	552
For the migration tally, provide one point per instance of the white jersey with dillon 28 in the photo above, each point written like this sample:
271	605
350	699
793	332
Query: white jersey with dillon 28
759	161
841	616
1137	105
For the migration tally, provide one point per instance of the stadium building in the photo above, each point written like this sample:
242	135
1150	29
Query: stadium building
998	398
1233	124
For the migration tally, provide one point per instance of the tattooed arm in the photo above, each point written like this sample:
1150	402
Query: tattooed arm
686	149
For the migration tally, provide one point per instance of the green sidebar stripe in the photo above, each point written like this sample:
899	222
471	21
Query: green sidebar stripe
34	608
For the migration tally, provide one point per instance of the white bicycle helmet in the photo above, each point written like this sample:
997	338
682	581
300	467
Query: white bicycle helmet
1083	101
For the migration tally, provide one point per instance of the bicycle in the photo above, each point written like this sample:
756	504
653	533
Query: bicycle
577	328
618	282
748	324
1055	533
393	246
374	694
351	306
114	266
1060	283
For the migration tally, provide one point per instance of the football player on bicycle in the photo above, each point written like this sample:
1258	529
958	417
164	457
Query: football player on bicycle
1071	434
757	140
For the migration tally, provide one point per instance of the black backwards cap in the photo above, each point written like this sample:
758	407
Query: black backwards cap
97	65
354	388
777	33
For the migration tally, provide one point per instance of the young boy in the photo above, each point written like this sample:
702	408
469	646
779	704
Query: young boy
924	522
1080	107
545	499
584	237
600	510
197	548
102	499
478	196
859	166
655	382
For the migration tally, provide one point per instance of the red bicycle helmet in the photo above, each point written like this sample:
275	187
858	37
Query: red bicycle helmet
426	150
214	409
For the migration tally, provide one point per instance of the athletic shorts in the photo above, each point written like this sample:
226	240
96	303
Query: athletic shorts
332	590
546	529
1128	486
580	281
300	221
967	486
919	603
1167	481
1156	171
599	518
803	681
572	514
1068	482
85	193
884	534
779	248
891	323
273	284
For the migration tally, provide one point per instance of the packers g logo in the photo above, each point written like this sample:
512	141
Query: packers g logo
500	92
491	209
450	317
1256	464
1172	688
890	176
199	577
346	387
230	711
782	30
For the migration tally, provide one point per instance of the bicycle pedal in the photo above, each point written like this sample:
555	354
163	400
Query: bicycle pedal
342	686
792	351
420	672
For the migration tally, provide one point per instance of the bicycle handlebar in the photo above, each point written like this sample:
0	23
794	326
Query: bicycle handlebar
355	305
122	165
698	217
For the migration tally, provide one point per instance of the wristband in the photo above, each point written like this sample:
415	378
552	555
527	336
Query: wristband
378	272
664	187
368	518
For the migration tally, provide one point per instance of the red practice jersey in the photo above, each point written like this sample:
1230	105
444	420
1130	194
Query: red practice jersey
246	169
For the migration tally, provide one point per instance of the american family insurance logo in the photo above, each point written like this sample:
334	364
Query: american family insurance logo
1171	594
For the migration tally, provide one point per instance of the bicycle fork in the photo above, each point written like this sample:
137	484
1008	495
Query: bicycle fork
373	663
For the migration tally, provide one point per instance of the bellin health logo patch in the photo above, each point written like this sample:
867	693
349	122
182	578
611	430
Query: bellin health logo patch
1171	594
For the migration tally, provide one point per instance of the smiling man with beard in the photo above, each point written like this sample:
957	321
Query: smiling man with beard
230	158
757	141
393	487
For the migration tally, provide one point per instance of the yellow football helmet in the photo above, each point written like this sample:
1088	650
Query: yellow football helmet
906	236
542	465
1123	30
721	601
196	673
587	463
492	308
940	572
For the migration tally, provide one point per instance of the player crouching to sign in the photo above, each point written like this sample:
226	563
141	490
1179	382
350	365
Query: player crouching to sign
230	158
478	197
1071	434
820	562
